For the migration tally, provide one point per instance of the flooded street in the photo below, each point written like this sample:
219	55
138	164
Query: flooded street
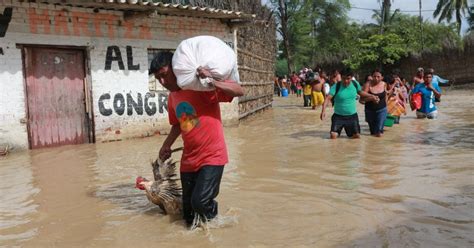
286	184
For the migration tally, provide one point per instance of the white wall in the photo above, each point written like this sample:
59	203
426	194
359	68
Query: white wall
96	33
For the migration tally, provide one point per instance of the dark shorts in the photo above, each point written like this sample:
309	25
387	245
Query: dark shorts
350	123
293	88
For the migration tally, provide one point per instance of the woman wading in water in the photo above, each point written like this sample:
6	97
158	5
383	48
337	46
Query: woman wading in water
376	112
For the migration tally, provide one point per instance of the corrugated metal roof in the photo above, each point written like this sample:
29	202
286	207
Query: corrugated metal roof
160	7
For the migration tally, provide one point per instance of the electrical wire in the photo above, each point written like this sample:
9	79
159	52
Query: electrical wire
354	7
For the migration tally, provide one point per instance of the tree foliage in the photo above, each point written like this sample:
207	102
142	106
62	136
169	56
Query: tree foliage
320	32
447	8
379	48
384	16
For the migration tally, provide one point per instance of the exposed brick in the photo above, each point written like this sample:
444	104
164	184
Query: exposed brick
163	33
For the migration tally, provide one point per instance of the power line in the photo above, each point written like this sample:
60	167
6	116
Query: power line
416	11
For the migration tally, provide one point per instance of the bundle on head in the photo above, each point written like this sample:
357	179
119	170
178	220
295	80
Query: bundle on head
164	191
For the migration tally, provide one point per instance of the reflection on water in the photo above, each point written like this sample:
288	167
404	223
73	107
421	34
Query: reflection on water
286	184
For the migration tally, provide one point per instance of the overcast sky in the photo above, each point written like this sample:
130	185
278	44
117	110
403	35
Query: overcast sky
365	16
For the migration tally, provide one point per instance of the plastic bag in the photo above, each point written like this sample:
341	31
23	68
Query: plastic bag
208	52
415	101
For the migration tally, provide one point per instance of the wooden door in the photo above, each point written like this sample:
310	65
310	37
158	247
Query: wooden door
55	97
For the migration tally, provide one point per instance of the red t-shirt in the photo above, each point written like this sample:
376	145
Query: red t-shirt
294	79
199	116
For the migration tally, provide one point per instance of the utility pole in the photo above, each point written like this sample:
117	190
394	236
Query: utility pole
421	30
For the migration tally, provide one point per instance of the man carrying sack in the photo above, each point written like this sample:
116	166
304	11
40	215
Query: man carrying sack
195	115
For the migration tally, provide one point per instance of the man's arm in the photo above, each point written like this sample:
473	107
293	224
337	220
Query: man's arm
436	92
327	100
365	88
165	151
368	97
229	87
441	80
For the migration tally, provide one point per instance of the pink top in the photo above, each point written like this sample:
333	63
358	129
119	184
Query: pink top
199	117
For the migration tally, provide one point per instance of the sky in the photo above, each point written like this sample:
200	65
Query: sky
428	6
365	16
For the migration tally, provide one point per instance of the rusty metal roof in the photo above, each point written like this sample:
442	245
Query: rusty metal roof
159	7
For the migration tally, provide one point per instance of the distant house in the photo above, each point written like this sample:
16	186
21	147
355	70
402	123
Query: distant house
75	72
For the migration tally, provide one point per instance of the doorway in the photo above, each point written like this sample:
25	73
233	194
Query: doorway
56	99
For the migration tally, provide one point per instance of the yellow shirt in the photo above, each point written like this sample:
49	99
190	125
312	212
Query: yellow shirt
307	89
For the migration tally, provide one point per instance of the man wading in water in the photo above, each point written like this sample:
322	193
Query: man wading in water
195	115
345	116
430	92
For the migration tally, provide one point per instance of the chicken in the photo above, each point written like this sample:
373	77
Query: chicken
164	191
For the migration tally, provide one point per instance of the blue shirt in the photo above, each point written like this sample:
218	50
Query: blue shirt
438	80
427	98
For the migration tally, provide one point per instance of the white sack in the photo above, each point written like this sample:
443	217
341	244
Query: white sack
208	52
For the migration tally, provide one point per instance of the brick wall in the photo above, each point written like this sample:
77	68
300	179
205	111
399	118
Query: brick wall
100	34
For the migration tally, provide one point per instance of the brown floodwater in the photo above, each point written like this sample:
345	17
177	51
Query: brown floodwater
286	184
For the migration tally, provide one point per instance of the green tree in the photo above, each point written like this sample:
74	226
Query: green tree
379	49
299	36
384	17
286	10
447	8
435	35
317	29
332	31
281	67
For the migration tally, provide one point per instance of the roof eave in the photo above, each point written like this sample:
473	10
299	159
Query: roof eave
160	8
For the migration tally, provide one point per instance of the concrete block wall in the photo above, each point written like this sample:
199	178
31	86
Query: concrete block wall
99	34
12	98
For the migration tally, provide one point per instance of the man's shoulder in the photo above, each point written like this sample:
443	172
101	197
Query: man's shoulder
356	84
182	95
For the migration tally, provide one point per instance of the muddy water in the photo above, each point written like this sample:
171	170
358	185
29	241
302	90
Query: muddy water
286	184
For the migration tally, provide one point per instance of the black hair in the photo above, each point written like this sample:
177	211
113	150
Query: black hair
396	72
347	72
317	68
428	72
377	71
389	79
160	60
367	77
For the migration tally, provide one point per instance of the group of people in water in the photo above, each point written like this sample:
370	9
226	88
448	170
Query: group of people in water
386	98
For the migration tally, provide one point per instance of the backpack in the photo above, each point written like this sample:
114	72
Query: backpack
338	87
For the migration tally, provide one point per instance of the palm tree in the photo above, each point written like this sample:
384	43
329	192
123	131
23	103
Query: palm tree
383	16
446	8
385	21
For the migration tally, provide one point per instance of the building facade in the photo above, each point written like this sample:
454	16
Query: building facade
74	73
